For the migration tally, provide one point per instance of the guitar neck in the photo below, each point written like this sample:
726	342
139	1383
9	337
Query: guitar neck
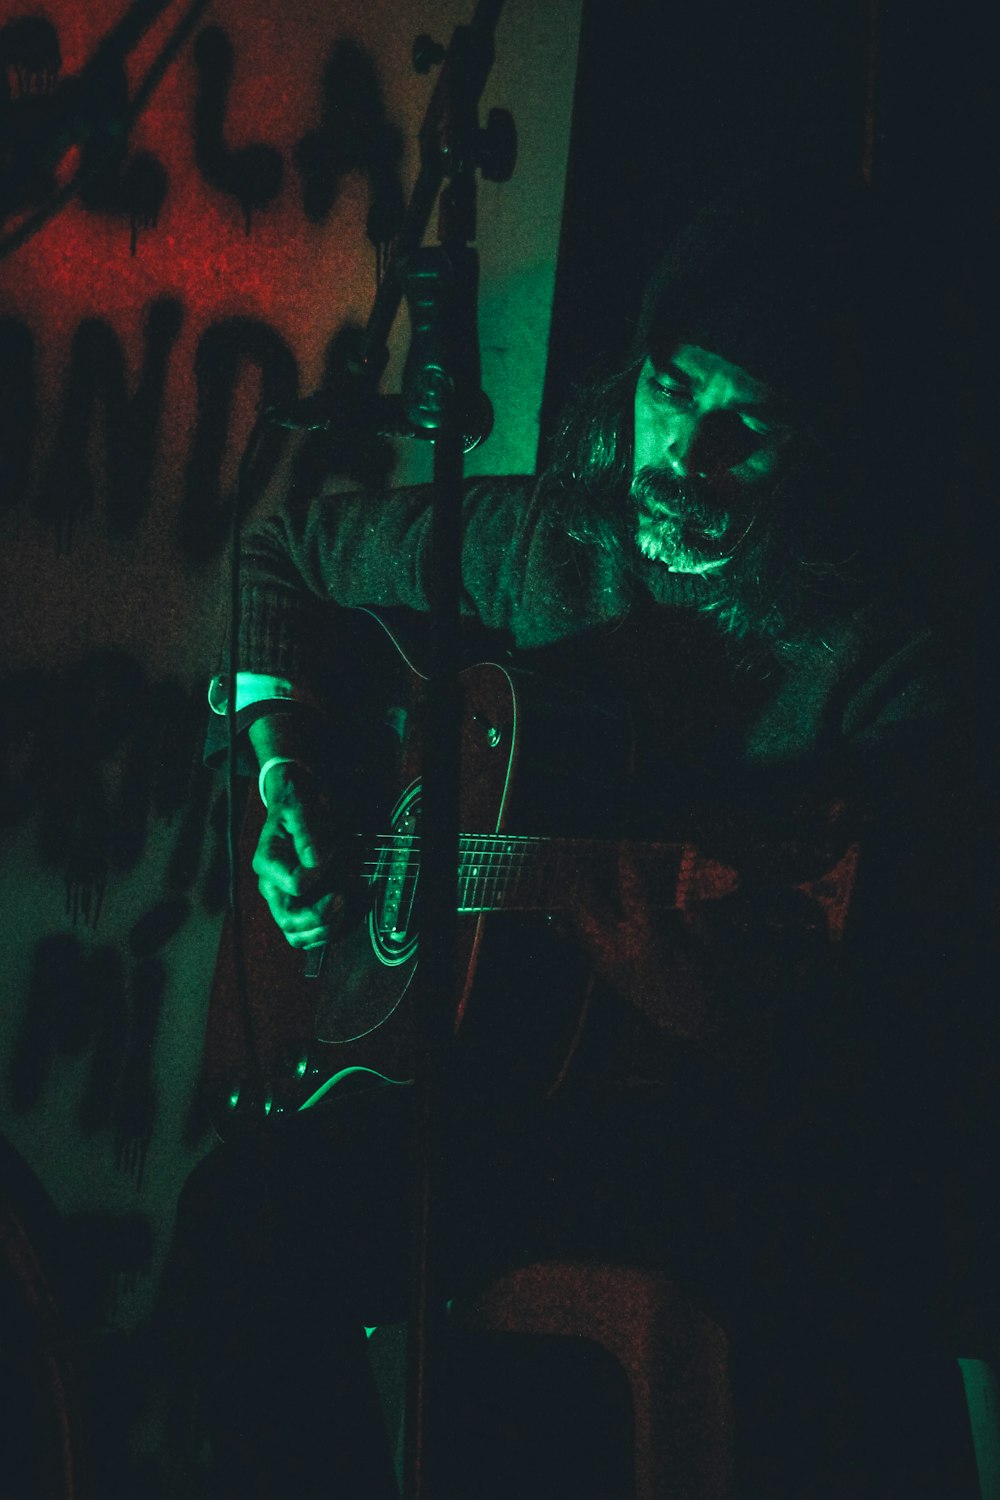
514	872
521	873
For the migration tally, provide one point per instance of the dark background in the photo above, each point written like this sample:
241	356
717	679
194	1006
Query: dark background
673	103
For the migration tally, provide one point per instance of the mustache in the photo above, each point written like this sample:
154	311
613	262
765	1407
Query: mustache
693	501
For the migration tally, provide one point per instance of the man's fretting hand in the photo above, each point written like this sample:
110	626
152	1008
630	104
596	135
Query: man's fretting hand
654	959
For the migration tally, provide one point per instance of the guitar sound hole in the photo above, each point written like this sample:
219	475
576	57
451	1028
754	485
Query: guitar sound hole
391	914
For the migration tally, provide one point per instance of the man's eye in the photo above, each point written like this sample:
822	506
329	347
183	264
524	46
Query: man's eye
768	432
676	395
762	429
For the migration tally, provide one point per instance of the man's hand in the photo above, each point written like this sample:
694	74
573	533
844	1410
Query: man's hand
296	858
652	958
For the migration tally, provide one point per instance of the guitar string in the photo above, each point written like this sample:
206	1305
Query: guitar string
508	877
496	870
485	872
517	848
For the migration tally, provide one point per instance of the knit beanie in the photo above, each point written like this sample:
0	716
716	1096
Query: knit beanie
770	281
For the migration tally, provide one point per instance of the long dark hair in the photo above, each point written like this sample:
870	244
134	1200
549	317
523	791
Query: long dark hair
797	561
814	295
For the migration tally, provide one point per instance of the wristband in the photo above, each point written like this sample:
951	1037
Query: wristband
276	760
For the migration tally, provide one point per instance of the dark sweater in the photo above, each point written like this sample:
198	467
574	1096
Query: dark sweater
873	697
868	716
858	740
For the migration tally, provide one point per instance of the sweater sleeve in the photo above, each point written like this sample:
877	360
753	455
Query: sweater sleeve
521	574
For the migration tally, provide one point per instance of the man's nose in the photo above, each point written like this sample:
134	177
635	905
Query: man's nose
685	447
707	444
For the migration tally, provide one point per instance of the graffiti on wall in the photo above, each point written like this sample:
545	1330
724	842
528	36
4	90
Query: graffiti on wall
43	113
102	755
94	755
96	396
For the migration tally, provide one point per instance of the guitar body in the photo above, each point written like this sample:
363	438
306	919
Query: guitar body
367	974
543	770
530	760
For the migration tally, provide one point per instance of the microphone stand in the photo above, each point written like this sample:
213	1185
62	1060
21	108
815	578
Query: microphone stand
441	382
442	401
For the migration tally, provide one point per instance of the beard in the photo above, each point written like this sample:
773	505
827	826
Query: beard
685	524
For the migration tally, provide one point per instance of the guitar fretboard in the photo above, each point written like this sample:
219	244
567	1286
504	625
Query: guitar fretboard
513	872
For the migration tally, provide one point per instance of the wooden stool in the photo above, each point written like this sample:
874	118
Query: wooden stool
674	1358
675	1361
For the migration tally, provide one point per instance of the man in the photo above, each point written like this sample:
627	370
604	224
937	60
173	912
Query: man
720	539
707	436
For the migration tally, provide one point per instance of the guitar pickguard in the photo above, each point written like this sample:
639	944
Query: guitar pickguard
392	917
366	973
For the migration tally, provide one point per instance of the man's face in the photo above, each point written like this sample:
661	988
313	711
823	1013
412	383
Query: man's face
707	434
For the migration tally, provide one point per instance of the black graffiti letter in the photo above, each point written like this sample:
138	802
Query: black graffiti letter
53	1020
354	136
225	347
97	375
251	174
30	97
134	186
17	409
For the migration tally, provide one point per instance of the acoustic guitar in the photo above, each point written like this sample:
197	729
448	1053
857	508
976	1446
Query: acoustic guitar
533	761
